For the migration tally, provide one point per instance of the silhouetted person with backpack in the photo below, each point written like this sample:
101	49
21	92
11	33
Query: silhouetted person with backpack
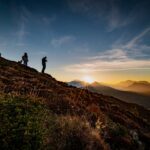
44	60
25	59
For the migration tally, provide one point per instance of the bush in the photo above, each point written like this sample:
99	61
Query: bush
22	124
28	125
117	130
72	133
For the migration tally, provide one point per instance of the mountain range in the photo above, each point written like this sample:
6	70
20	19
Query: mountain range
135	86
39	112
128	96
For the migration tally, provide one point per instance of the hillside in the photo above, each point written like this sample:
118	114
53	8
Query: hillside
39	112
127	96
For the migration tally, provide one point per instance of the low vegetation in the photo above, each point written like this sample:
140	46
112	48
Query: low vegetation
28	125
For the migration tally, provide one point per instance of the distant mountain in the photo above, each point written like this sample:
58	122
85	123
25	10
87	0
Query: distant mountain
135	86
126	96
125	84
77	83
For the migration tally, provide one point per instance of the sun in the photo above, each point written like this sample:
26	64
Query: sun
88	79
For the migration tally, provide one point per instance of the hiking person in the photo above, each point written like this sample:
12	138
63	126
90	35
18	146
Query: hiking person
44	60
25	59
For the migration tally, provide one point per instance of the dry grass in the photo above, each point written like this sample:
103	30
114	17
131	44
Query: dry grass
79	112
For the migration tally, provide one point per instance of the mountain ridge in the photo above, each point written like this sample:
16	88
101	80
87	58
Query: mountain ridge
134	86
127	96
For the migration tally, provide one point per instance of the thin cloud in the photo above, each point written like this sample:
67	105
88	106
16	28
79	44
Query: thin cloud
48	20
57	42
107	11
114	54
22	32
135	48
114	18
136	39
126	57
80	6
108	66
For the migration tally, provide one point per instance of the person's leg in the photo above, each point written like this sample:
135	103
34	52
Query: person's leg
25	63
43	69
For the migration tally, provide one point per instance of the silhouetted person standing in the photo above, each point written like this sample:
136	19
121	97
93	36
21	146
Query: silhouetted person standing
25	59
44	60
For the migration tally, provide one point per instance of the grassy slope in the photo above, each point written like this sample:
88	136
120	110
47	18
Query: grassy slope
114	119
126	96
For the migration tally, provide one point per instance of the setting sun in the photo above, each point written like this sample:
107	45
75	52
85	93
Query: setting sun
88	79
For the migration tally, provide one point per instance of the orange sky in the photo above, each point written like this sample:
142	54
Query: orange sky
109	77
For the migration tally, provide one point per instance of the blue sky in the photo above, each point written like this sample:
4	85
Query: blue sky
106	39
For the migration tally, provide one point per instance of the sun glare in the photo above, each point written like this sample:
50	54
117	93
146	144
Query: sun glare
88	79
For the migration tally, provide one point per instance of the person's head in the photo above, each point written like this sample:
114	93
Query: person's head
45	57
25	54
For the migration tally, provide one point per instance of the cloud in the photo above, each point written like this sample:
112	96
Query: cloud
115	18
57	42
129	56
22	22
112	60
48	20
136	39
137	46
21	34
114	54
108	11
115	13
108	66
80	6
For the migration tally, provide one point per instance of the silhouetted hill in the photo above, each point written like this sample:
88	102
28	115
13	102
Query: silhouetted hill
126	96
37	111
125	83
135	86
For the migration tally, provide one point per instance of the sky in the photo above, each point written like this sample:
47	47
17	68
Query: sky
107	40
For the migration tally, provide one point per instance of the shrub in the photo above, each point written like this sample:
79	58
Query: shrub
72	133
117	130
22	124
28	125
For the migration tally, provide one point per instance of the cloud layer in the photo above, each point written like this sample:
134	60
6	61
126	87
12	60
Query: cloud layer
131	55
116	14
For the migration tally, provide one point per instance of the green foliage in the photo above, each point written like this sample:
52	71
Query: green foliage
117	130
76	134
22	124
28	125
